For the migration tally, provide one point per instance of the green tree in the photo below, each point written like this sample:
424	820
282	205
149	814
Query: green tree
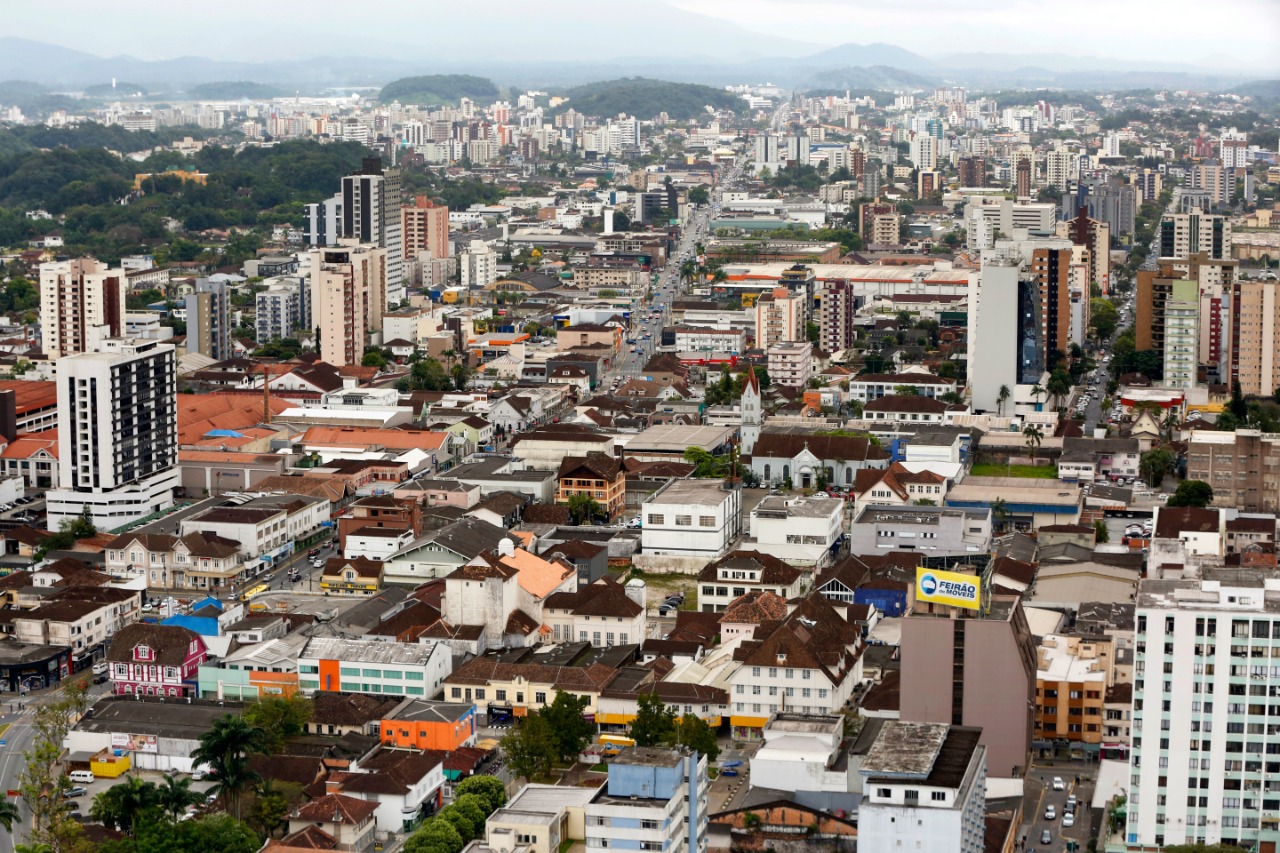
465	825
427	374
9	814
374	358
121	806
692	731
1032	436
174	795
531	748
655	722
699	195
1103	318
1000	513
225	749
1100	533
487	788
42	782
1058	386
571	730
1192	493
435	836
583	508
1155	464
474	807
1002	398
905	390
279	717
1238	407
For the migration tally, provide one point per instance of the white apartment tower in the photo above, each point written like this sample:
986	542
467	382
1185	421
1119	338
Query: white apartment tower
117	433
924	152
1060	167
993	331
1205	761
81	302
348	299
478	265
780	317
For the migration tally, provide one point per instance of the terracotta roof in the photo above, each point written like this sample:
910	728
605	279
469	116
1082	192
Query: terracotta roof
1185	519
546	514
605	597
813	636
362	566
695	626
394	439
307	838
785	445
1024	573
29	444
572	548
336	808
897	477
348	709
906	403
758	605
521	623
536	576
580	679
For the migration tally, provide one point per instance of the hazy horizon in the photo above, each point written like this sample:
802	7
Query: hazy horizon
1244	40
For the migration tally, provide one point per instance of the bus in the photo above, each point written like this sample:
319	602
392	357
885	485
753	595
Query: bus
253	592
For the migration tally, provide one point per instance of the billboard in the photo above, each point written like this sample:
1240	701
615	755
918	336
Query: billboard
134	743
950	588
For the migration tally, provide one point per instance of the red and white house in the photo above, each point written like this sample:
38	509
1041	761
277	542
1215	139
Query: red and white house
156	660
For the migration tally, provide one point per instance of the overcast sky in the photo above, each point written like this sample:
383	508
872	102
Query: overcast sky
1225	33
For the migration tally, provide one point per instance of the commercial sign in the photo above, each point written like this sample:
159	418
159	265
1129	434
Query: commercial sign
134	743
950	588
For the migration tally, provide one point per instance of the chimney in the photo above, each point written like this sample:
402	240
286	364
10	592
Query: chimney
506	547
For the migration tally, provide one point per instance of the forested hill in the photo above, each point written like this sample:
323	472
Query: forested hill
439	89
645	98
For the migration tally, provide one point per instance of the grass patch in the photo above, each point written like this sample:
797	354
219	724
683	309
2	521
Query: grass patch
1034	472
599	768
565	845
662	584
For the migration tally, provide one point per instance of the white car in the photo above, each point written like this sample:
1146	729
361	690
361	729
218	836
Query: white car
1058	784
1068	820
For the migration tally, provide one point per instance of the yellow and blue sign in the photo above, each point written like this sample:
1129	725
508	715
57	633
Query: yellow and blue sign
950	588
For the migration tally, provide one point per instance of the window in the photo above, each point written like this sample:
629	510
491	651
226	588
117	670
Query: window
500	695
657	518
413	676
456	692
540	697
706	521
938	796
884	792
684	521
349	670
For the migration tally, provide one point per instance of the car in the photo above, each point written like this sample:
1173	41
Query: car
74	791
1058	784
1046	837
1050	813
101	679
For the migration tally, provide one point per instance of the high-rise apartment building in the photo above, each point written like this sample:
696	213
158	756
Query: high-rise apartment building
283	309
1214	279
924	152
1148	183
1254	347
425	227
1181	354
209	319
791	363
348	299
1023	177
1235	149
1214	179
1114	203
1061	167
835	309
1204	766
478	265
780	317
323	223
1095	236
1050	269
993	334
117	433
371	214
1181	234
81	302
973	668
973	171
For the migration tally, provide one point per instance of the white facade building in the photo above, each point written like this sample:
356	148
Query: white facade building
655	799
802	531
924	788
81	302
692	518
478	265
117	433
1204	758
370	666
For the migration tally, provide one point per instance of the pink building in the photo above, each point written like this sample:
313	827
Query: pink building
156	660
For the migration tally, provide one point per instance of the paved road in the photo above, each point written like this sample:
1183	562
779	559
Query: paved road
1040	795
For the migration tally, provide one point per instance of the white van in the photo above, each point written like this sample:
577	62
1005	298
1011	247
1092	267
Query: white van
83	777
100	667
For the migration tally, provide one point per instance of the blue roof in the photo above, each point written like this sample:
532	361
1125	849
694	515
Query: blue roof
224	433
206	601
202	625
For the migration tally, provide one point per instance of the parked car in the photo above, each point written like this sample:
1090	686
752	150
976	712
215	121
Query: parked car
75	791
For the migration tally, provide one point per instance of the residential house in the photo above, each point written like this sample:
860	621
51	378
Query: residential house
739	573
355	576
748	611
199	560
603	613
899	485
155	660
406	785
440	552
347	821
908	409
802	458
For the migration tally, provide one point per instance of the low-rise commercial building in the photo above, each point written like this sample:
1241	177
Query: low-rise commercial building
370	666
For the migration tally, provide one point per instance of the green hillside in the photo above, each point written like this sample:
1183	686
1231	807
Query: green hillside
645	98
435	89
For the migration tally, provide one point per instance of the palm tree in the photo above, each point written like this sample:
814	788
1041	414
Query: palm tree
225	748
9	814
1002	398
1034	435
175	795
1037	391
1059	387
121	806
1169	425
1000	512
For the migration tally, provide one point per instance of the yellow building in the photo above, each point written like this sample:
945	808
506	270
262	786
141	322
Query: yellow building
185	176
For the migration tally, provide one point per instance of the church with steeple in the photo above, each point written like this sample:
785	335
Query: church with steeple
752	407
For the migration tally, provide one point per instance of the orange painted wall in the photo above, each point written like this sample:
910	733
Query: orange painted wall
428	735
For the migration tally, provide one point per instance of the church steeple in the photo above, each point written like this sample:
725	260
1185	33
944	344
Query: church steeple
751	411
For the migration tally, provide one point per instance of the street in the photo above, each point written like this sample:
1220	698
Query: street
1040	795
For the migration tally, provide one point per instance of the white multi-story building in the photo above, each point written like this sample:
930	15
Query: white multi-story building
655	799
800	530
282	309
266	526
924	152
780	317
81	302
117	433
1061	167
1182	336
692	518
703	339
924	788
1204	766
740	572
791	363
800	754
478	265
370	666
1181	234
